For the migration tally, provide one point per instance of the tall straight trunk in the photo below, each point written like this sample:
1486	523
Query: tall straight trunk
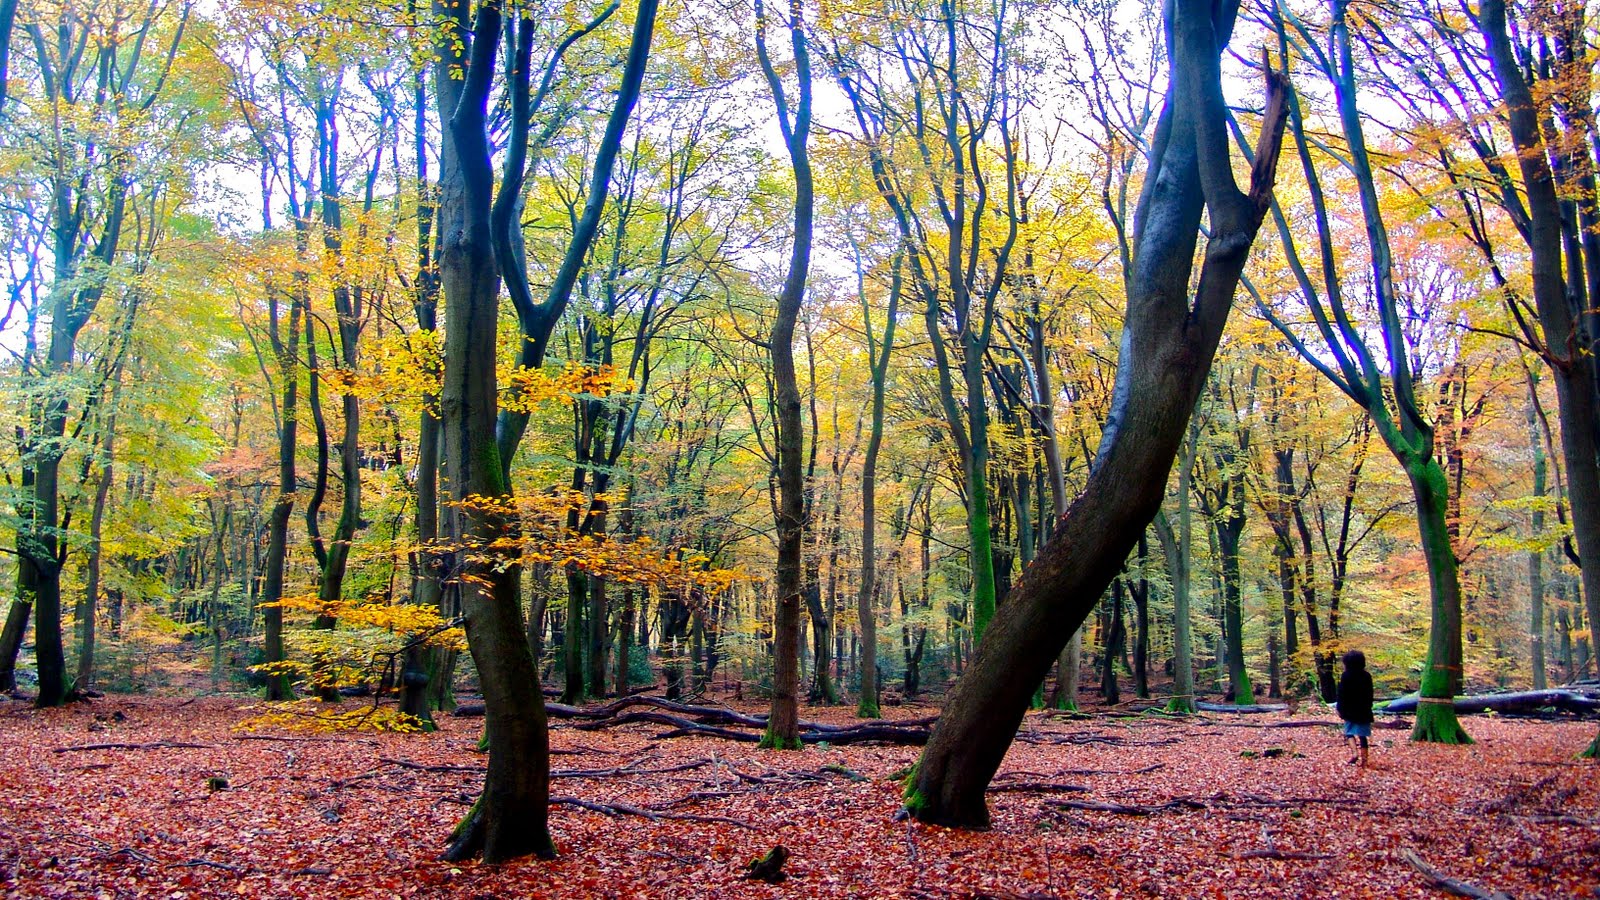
624	643
1229	532
426	674
1536	556
288	352
598	615
1169	339
783	723
1141	643
822	687
1116	639
572	638
1563	629
510	817
1177	545
89	605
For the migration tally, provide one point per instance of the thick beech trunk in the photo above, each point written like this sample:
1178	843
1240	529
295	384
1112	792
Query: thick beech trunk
1167	348
1565	336
510	817
1441	674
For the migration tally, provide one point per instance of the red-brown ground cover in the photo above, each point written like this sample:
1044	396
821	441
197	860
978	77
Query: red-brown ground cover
358	816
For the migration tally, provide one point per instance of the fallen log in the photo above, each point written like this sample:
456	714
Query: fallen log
1246	708
686	720
156	745
1515	702
654	815
1438	879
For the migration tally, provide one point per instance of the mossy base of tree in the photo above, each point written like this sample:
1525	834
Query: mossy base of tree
771	740
1183	706
868	709
1064	703
1593	750
469	838
1246	694
1437	724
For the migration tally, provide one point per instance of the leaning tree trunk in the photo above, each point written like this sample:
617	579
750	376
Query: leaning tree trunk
1166	353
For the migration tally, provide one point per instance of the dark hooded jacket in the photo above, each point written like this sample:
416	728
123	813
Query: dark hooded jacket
1355	696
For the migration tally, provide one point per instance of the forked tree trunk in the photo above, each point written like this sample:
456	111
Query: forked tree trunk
1166	353
510	817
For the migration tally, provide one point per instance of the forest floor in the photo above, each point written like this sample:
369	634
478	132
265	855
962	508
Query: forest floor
1246	810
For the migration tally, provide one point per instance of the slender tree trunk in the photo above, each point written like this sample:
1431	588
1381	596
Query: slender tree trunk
783	723
624	643
277	687
1116	639
597	635
89	606
572	636
1536	556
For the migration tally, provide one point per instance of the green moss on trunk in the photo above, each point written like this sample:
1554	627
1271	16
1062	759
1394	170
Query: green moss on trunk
1437	724
771	740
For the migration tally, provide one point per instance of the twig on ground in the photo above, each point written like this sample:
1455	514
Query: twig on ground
623	809
155	745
